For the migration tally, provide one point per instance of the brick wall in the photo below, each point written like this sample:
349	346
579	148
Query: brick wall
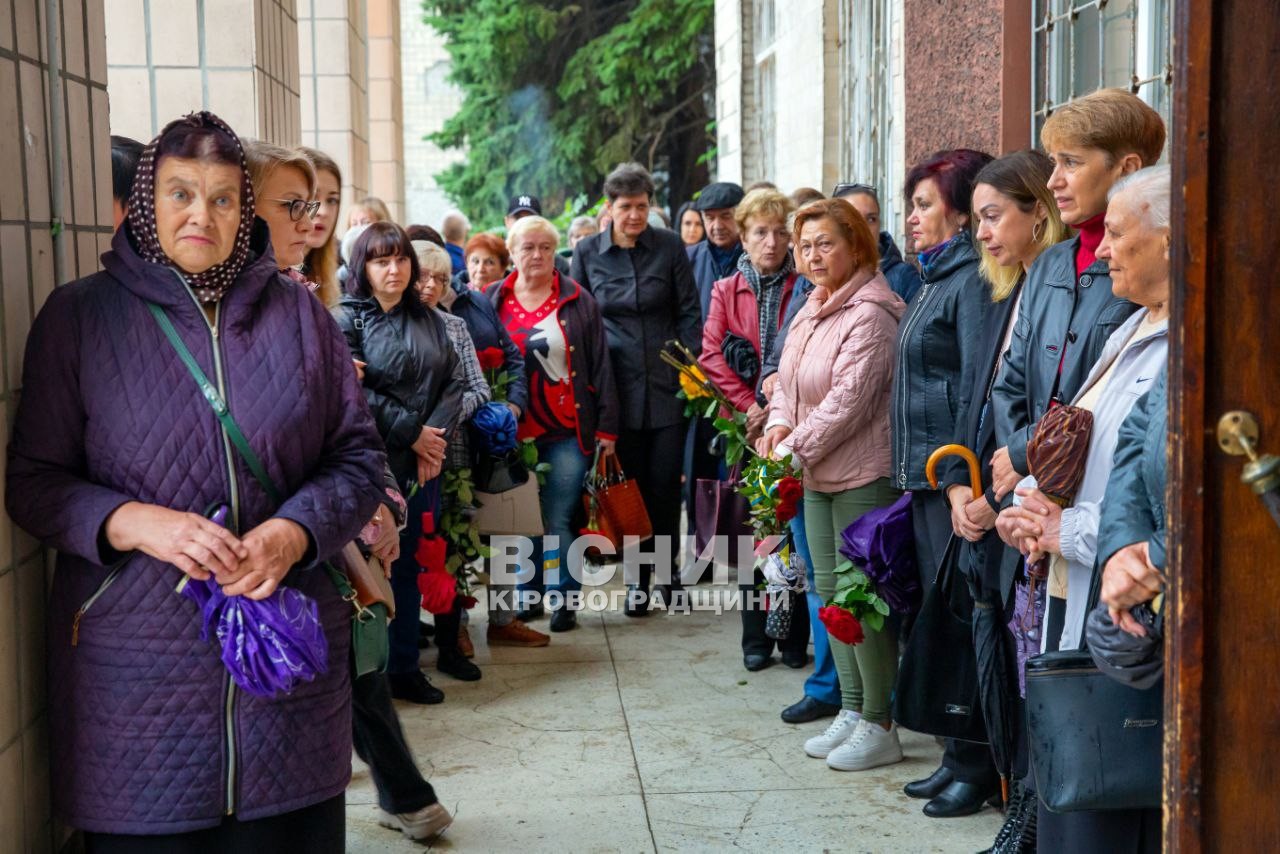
32	260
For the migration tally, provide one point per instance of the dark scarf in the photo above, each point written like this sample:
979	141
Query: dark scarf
723	260
768	290
212	284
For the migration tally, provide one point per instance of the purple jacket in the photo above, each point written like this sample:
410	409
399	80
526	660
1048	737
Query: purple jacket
148	735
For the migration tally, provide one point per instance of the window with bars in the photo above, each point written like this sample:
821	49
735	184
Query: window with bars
1083	45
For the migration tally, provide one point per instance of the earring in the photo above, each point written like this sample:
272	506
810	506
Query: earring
1037	231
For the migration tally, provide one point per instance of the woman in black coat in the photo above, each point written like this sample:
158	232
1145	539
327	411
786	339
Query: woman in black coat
938	342
1016	220
413	382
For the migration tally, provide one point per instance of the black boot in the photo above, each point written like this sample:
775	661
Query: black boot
961	798
451	661
1018	833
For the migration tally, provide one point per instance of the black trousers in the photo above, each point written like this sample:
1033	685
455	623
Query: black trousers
380	742
968	761
756	642
317	829
655	458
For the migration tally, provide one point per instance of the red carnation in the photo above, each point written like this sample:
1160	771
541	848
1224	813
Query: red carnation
491	358
438	589
841	625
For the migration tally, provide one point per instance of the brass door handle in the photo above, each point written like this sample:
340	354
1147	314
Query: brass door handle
1238	435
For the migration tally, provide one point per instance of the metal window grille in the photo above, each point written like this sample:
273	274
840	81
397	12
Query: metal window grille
1079	46
866	100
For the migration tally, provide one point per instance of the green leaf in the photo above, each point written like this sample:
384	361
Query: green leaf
712	408
881	606
843	567
874	621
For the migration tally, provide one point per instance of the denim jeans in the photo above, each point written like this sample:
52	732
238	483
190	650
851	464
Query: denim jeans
823	684
560	497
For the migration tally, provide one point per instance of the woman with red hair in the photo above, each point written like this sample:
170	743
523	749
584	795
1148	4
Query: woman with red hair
941	337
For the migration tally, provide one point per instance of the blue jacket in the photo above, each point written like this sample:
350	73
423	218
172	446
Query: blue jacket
1133	508
706	273
903	277
457	257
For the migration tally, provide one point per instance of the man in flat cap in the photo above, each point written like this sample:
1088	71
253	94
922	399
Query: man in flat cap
716	257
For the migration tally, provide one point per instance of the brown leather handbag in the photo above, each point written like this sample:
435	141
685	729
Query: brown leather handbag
613	502
369	578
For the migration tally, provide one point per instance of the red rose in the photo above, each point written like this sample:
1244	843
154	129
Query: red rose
785	511
841	625
790	490
469	602
438	589
491	358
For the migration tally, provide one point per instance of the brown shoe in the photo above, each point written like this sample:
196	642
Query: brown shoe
516	633
465	646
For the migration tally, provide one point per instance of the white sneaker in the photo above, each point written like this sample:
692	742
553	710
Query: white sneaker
841	728
422	824
870	746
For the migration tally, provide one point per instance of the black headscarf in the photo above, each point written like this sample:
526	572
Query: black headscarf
212	284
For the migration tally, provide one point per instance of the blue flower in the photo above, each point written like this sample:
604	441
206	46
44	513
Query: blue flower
494	428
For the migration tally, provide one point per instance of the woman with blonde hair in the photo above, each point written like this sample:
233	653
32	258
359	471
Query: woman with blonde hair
367	211
322	261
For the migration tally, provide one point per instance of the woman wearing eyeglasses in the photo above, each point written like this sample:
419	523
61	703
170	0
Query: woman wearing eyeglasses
284	184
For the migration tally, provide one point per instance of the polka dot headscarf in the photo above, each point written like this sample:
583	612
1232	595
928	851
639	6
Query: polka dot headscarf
212	284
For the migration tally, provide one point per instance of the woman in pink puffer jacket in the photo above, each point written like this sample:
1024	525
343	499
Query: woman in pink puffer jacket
830	410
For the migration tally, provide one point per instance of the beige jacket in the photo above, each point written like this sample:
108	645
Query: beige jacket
834	384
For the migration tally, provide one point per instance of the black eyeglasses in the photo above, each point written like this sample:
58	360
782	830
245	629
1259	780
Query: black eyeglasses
298	207
844	189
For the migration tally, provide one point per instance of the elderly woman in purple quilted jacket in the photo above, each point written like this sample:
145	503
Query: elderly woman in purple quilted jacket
115	459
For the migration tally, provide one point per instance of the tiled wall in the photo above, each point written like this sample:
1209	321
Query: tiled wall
332	54
386	109
429	101
28	273
238	58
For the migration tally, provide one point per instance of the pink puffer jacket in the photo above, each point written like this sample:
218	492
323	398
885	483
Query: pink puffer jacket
834	384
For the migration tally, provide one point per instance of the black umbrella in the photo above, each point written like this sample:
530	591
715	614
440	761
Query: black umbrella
997	679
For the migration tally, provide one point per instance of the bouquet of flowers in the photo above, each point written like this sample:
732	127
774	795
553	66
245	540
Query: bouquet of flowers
854	604
704	398
491	359
774	493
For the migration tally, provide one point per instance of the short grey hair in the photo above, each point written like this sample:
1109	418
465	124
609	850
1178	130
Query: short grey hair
455	226
1150	188
586	222
431	258
528	225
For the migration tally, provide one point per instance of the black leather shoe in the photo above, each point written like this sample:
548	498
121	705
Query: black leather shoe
458	667
414	688
808	709
671	596
756	662
564	620
959	799
425	632
637	604
533	612
930	787
795	660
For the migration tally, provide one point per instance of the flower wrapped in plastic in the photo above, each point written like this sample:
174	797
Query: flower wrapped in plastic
269	646
881	542
493	427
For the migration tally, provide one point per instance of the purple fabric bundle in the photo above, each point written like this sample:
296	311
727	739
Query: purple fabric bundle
882	543
269	646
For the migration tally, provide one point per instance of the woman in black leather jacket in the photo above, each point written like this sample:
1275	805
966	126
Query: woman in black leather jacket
938	341
413	382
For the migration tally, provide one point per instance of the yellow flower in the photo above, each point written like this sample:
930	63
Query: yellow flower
693	389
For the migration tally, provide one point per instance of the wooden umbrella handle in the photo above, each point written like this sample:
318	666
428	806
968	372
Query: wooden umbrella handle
975	471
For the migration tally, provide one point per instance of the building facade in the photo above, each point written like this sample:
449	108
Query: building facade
819	91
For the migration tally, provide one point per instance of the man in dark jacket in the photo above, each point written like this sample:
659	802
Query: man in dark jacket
716	257
641	279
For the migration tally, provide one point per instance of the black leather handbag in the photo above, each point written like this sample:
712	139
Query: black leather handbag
937	688
1096	743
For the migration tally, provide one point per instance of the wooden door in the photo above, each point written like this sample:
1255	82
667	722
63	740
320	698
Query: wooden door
1222	742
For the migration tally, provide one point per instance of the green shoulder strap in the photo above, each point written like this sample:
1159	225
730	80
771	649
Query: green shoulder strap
234	433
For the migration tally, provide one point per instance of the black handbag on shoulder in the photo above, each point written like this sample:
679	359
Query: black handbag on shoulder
937	688
1096	743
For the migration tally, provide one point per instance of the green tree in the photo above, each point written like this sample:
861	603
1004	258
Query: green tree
556	93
